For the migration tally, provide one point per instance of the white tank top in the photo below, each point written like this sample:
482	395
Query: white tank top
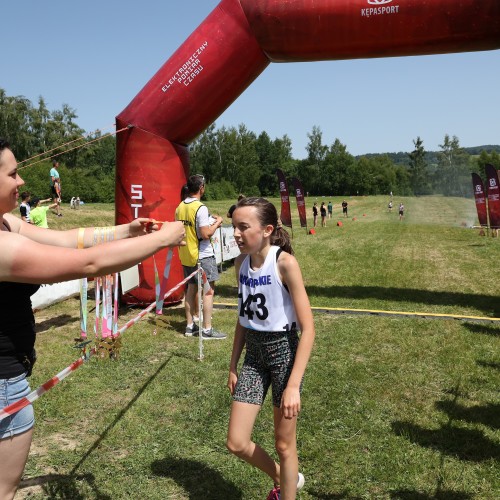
264	303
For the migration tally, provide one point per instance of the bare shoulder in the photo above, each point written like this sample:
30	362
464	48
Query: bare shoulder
287	264
11	244
289	269
13	223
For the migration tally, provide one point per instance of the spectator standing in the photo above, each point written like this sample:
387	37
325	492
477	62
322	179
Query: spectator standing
401	211
315	214
25	207
199	229
322	210
55	186
38	214
344	208
330	209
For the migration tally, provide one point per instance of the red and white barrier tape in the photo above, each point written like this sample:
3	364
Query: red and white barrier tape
34	395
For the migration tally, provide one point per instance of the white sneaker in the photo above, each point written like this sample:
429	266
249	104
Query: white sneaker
300	481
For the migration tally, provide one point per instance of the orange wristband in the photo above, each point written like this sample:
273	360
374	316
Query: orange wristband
81	234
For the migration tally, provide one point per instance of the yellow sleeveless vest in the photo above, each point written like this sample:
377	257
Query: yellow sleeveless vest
186	213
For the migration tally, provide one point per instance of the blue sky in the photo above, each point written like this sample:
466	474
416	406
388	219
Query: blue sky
96	56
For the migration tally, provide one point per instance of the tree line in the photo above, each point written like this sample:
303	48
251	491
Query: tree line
236	160
87	172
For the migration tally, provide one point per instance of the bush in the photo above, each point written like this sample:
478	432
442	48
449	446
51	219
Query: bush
222	190
92	185
37	180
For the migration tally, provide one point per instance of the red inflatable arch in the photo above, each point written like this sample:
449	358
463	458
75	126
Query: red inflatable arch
231	47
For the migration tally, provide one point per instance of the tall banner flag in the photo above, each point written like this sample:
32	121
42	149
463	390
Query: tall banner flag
301	203
286	216
493	196
480	197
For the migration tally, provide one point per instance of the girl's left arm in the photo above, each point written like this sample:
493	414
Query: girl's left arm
291	275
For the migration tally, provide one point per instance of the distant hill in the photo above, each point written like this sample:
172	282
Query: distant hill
401	158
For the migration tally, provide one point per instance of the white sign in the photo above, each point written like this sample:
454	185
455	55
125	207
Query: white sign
50	294
225	247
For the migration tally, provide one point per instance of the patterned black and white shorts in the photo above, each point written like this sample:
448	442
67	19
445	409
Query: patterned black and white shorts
268	361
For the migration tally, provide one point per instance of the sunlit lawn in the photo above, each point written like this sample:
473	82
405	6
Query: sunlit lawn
394	407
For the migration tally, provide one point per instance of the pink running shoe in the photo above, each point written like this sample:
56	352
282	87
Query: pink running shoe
274	494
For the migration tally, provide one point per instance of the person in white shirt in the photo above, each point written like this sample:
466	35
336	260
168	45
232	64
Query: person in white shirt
200	227
25	207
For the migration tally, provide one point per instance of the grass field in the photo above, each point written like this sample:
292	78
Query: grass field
393	407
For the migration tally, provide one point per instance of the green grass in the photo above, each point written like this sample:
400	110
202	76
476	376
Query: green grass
393	407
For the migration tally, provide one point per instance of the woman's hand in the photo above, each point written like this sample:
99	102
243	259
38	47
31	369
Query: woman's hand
290	402
141	226
231	381
174	233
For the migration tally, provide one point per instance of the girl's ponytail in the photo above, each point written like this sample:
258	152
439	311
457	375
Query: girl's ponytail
281	238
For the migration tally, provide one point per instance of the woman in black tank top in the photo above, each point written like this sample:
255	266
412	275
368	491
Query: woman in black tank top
30	256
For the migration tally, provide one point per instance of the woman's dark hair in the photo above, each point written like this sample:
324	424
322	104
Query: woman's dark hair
267	215
4	144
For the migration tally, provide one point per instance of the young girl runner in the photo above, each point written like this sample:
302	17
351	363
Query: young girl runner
272	307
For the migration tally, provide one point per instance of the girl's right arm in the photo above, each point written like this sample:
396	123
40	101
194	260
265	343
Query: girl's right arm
238	344
239	339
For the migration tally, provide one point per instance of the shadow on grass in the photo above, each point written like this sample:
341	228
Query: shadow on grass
489	364
196	478
331	496
168	322
488	414
487	303
440	495
64	487
483	329
69	486
120	415
466	444
57	321
226	292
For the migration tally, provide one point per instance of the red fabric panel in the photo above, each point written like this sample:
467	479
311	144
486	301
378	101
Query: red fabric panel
148	184
313	30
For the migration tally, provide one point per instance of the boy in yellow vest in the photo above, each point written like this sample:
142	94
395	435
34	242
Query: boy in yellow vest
200	227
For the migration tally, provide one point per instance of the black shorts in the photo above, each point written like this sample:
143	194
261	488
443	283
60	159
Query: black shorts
268	361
